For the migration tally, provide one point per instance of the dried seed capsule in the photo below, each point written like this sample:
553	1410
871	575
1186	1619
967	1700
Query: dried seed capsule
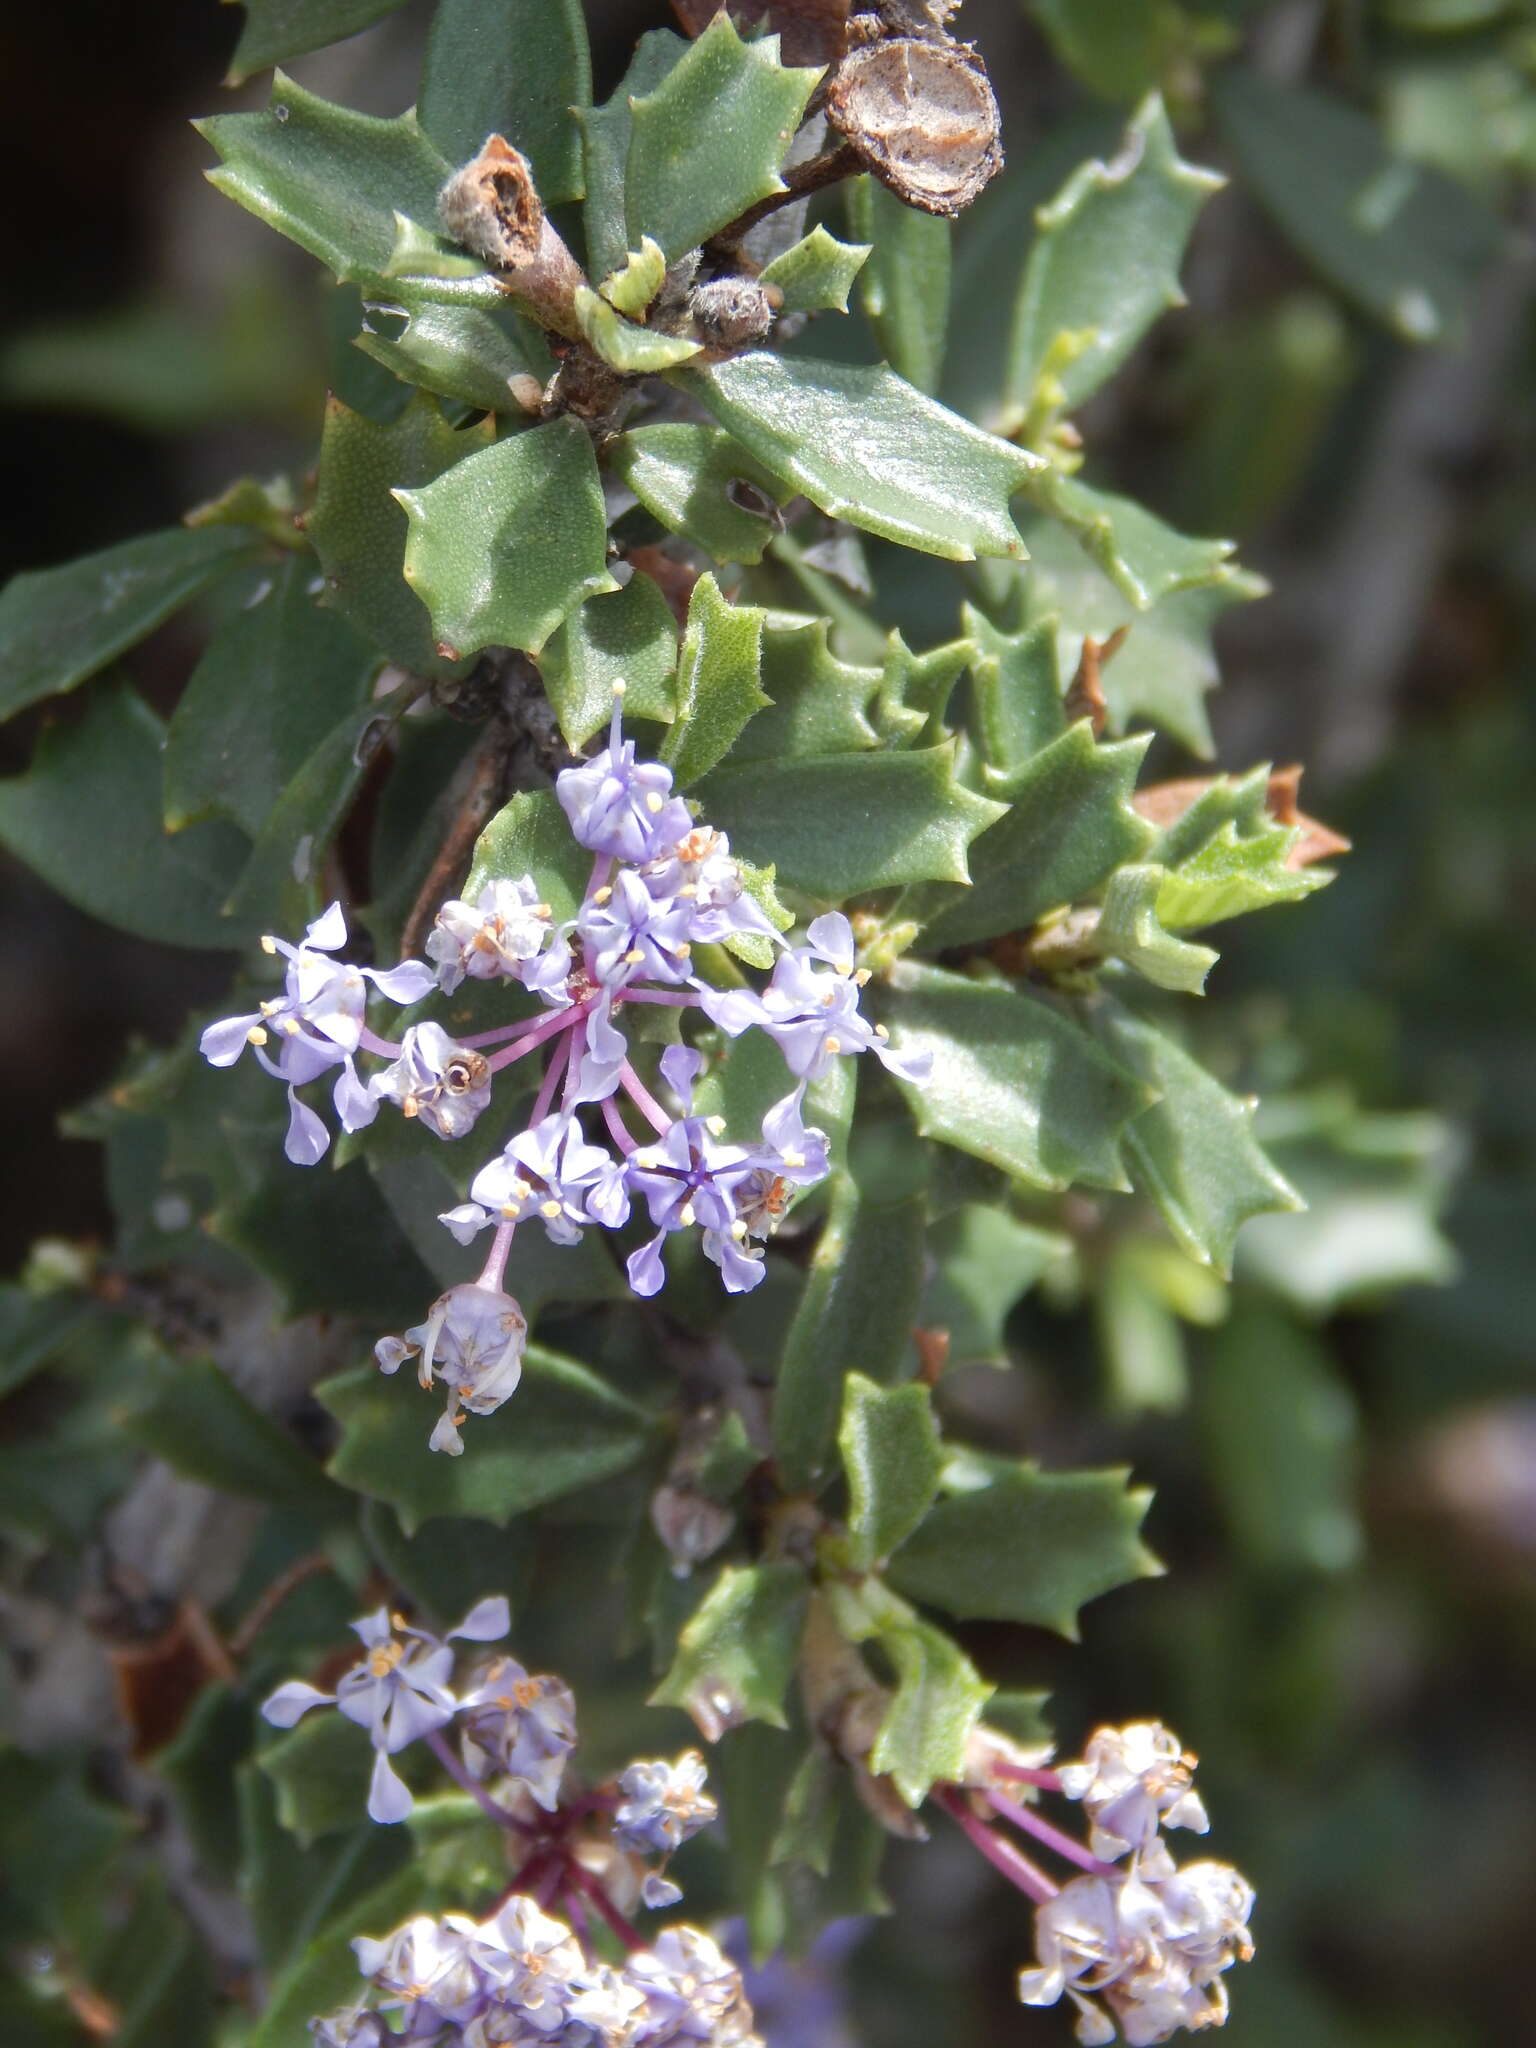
923	118
732	312
492	207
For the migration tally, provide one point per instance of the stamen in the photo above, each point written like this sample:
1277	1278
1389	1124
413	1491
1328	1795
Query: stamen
861	978
653	801
410	1106
685	1215
602	895
881	1032
550	1208
831	1043
715	1125
255	1036
633	957
794	1159
268	943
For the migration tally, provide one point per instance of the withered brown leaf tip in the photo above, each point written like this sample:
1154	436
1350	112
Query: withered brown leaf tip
491	205
922	115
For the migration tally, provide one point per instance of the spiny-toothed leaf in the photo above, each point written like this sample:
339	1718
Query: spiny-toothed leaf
1014	1081
531	835
904	287
105	768
1013	1543
890	1449
60	626
1400	239
863	445
684	474
819	704
508	542
329	179
563	1429
605	133
637	351
272	682
856	1312
939	1700
717	681
1130	930
816	273
707	142
319	1771
1016	690
469	353
624	636
981	1261
1069	825
518	69
359	531
1142	557
1103	266
425	255
1193	1151
1230	875
330	1247
737	1655
915	688
850	822
275	30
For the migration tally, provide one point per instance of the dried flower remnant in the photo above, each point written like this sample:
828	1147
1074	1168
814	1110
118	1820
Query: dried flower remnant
921	115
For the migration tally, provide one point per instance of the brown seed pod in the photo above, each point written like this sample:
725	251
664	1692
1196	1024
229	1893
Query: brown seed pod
492	207
922	117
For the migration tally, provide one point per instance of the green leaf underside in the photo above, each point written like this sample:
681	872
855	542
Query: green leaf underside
682	474
904	287
1193	1151
1143	558
60	626
1014	1081
1130	930
1232	874
850	822
563	1429
507	543
275	30
717	682
1026	1545
707	141
816	273
737	1655
605	136
865	446
517	69
890	1449
532	836
938	1702
627	636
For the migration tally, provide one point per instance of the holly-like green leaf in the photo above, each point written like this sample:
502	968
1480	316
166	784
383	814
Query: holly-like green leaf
707	142
1013	1543
627	636
1130	930
820	704
329	1247
518	69
982	1260
1014	1081
275	30
904	287
563	1429
605	134
468	353
816	273
842	824
717	686
60	626
1069	825
1103	266
105	768
685	476
938	1702
1233	873
329	179
1016	690
737	1655
273	681
631	289
531	835
637	351
1193	1151
324	1975
508	542
891	1453
1401	240
1143	558
915	689
863	445
448	1565
319	1771
856	1312
359	531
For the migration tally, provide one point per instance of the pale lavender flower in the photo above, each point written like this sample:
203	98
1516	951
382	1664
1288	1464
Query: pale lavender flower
540	1968
692	1993
619	806
428	1967
354	2026
518	1727
495	937
550	1172
1131	1781
664	1803
473	1341
631	935
443	1083
792	1155
700	872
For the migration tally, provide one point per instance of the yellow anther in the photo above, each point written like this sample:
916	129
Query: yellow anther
255	1036
602	895
619	686
290	1025
549	1208
881	1032
689	889
685	1214
738	1230
653	801
269	1008
542	910
633	957
861	978
714	1125
794	1160
410	1106
522	1188
831	1043
681	952
268	943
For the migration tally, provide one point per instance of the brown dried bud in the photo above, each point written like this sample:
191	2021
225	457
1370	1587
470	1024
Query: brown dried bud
733	312
922	116
493	208
691	1525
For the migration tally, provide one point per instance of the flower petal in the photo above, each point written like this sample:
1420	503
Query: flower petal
292	1701
389	1797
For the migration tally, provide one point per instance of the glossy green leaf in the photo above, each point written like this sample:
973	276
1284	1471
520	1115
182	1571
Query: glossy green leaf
126	870
820	704
272	682
275	30
842	824
737	1655
329	179
1016	689
518	69
865	446
982	1261
1232	874
904	287
856	1313
636	351
707	141
627	636
1143	558
938	1702
1103	266
1014	1080
199	1765
605	135
330	1246
532	836
685	475
891	1454
1130	930
59	626
359	531
293	1890
1193	1151
448	1565
563	1429
1402	241
717	682
468	353
319	1771
508	542
1013	1543
816	273
1069	825
324	1976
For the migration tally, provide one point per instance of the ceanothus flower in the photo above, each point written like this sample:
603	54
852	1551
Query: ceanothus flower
664	1803
793	1154
631	935
619	806
539	1968
700	872
493	938
1131	1781
518	1727
437	1079
473	1341
428	1967
550	1172
692	1993
399	1692
686	1177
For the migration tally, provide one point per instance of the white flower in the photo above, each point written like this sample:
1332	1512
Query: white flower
1131	1781
435	1078
491	938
